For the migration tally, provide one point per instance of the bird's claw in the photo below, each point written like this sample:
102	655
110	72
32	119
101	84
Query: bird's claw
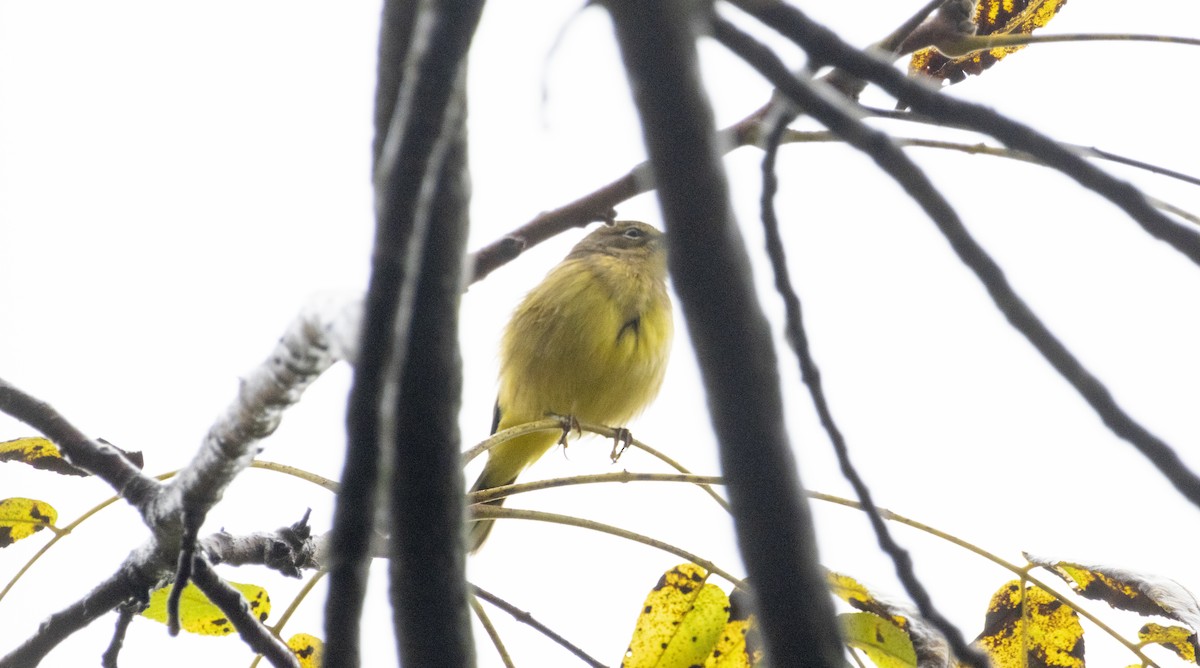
569	424
622	439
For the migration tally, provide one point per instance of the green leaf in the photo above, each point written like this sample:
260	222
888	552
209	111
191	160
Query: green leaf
886	644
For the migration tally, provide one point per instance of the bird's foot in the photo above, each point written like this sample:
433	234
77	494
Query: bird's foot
622	439
569	424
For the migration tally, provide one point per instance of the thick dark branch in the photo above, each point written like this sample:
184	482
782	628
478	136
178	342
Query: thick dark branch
826	110
733	341
125	584
95	457
893	161
248	625
406	176
289	549
398	180
431	610
824	45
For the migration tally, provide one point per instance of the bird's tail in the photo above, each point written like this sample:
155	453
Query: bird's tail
478	531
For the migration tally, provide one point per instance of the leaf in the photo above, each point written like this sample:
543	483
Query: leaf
883	642
1048	634
41	453
1128	590
680	622
199	615
930	647
739	645
992	17
21	518
309	649
1178	639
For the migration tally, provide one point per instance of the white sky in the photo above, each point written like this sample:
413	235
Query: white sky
176	179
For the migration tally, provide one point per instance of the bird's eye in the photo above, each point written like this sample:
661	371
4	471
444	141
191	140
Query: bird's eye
634	233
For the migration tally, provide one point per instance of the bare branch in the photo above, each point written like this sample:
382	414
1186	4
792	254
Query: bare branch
711	272
430	601
895	163
125	584
249	627
528	619
95	457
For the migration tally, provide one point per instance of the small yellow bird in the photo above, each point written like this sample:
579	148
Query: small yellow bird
590	342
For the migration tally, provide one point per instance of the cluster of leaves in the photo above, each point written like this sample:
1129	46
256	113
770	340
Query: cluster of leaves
688	621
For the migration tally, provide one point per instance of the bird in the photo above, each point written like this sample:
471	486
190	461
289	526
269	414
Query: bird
590	343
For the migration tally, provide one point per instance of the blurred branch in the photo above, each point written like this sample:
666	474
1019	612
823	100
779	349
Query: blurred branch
793	23
429	595
733	341
825	109
408	147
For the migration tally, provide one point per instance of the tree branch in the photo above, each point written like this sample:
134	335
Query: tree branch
249	627
733	342
430	601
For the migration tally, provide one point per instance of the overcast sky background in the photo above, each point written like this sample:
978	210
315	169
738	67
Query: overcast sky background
177	178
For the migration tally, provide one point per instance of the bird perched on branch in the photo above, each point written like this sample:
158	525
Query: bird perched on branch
589	343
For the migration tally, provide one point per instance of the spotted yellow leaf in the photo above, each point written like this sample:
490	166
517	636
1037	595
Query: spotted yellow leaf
739	645
1178	639
21	518
40	453
309	649
680	622
1047	634
199	615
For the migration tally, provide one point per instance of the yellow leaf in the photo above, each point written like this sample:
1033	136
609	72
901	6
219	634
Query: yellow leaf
1178	639
680	622
859	597
39	453
309	649
885	643
992	17
1047	634
739	645
21	518
199	615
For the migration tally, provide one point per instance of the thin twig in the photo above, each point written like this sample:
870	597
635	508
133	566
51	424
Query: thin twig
824	110
124	618
481	512
492	633
491	493
528	619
